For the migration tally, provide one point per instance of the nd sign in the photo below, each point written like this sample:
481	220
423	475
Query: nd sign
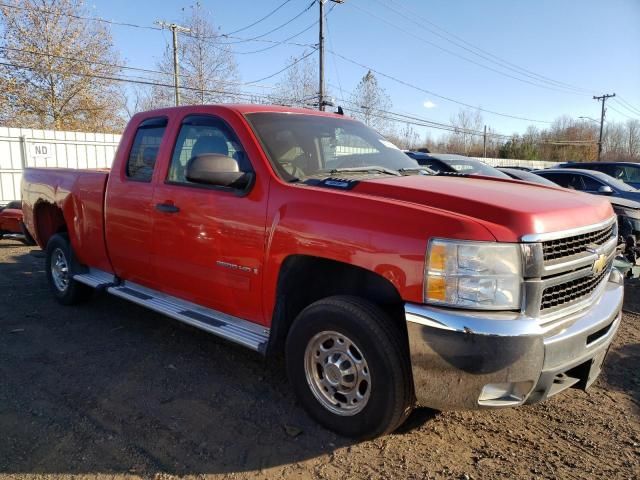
41	152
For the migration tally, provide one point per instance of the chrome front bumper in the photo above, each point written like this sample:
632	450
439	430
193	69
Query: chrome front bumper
470	360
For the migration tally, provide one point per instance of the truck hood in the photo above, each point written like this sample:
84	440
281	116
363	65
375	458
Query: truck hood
508	208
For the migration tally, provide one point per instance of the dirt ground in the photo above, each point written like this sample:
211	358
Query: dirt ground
110	389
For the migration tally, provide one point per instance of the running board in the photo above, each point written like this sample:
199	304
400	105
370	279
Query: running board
96	278
237	330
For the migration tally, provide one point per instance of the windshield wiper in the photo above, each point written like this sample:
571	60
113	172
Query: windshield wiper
388	171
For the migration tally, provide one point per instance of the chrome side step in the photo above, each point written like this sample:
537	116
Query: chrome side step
96	278
226	326
232	328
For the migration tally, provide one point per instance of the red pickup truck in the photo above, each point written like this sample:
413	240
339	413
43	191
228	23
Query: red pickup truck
307	233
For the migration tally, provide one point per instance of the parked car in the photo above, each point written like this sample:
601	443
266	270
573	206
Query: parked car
590	181
305	232
628	172
11	225
526	176
451	163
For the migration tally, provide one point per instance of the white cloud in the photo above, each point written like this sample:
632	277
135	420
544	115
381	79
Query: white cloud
429	104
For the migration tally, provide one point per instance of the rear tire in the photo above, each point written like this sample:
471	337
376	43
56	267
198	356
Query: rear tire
60	268
349	367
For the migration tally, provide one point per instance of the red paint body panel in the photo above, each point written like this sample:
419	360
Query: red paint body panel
10	219
80	197
382	225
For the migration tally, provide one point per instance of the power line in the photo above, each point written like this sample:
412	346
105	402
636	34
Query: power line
118	66
414	17
286	41
408	31
628	106
80	17
260	20
429	92
283	42
141	82
622	113
148	27
285	68
335	64
274	29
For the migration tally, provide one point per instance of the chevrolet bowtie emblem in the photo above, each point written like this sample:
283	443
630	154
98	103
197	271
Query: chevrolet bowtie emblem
599	264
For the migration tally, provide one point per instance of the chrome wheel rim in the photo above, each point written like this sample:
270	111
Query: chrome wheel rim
337	373
60	270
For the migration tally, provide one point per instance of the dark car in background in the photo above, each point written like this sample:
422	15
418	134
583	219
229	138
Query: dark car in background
527	176
451	163
590	181
628	172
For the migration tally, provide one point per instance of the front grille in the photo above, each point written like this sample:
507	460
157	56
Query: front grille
564	294
566	247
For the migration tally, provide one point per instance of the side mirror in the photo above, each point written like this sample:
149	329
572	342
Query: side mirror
217	170
605	190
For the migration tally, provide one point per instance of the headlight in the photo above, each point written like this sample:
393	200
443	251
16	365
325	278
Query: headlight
482	275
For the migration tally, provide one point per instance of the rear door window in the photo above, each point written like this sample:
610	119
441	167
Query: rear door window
145	148
562	179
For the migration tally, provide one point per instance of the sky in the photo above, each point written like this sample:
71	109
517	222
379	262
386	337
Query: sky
430	48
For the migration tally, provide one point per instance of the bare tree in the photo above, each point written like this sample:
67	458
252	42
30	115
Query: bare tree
299	85
633	139
208	68
61	68
463	140
370	103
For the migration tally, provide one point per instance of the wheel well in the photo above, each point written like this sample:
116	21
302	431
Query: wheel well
305	279
48	220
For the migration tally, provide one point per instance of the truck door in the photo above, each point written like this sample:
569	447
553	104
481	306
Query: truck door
129	208
209	241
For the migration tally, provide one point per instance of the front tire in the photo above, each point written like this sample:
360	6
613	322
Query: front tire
349	367
60	268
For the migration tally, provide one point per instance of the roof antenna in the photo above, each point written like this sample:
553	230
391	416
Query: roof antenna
340	110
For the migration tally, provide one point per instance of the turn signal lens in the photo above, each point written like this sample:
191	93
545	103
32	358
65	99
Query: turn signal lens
437	289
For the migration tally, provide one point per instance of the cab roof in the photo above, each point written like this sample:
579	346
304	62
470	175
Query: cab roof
245	108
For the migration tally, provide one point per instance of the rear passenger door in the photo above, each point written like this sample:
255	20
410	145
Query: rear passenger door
129	208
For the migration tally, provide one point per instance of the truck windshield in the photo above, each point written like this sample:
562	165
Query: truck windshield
301	146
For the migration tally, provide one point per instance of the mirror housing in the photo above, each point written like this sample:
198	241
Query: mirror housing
217	170
605	190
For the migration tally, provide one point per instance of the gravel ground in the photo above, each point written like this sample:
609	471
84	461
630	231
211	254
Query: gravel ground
110	389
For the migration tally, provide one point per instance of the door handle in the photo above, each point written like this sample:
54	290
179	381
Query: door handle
167	208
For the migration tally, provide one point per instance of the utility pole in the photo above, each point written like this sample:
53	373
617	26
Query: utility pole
602	98
175	28
321	100
484	146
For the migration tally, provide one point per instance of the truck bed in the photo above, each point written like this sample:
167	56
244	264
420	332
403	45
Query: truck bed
76	194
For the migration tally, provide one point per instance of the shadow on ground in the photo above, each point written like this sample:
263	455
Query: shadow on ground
110	387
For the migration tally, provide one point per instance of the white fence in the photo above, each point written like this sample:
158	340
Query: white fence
25	147
508	162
